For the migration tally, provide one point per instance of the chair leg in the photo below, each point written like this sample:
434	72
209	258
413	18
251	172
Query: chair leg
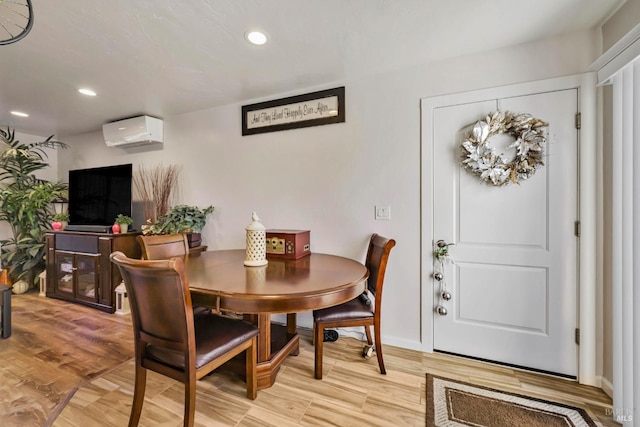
251	369
376	331
368	332
319	331
5	304
190	402
138	395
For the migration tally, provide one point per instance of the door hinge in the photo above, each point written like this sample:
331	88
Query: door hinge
578	120
576	228
578	336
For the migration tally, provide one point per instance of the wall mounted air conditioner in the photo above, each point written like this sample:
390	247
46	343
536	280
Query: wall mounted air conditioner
132	132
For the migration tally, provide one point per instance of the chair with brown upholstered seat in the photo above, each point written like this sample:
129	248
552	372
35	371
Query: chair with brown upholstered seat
170	340
357	312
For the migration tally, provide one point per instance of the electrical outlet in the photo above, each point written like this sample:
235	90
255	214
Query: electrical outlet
383	212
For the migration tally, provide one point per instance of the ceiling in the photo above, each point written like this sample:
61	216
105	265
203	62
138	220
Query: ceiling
163	57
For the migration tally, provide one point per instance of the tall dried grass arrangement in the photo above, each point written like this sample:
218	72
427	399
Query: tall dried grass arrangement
155	187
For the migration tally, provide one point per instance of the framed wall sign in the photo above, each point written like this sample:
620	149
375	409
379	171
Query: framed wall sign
311	109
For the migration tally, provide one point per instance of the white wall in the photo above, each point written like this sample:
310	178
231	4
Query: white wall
620	23
328	178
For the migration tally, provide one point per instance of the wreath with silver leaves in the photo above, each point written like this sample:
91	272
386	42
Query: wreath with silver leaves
481	159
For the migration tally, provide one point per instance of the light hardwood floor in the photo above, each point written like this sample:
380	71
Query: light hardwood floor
57	346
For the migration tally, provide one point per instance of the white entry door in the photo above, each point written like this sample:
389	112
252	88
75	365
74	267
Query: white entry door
513	280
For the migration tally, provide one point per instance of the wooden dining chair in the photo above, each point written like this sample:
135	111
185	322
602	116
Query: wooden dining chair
357	312
170	340
164	246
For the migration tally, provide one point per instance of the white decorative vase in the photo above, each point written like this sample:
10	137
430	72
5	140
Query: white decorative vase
256	243
20	287
124	228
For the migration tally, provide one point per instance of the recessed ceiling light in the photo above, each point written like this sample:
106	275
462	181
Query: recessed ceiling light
87	92
19	114
256	37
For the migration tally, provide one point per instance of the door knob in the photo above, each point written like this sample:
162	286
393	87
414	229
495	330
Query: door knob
442	244
438	276
441	310
446	295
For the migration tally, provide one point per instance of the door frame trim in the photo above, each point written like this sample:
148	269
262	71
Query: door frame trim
587	205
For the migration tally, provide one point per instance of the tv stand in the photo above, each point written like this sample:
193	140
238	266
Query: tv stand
89	228
79	269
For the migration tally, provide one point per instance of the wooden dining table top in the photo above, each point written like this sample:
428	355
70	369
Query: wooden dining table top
282	286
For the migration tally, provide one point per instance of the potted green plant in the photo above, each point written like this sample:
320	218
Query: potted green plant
124	222
181	219
60	221
25	204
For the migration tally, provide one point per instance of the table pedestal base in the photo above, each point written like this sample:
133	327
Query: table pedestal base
275	343
267	370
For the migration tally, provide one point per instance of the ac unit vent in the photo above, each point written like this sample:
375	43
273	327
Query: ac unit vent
133	132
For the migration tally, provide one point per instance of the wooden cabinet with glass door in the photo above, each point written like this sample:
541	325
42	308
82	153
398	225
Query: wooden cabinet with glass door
78	266
77	276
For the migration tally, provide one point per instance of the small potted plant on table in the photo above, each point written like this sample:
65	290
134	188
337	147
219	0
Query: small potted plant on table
60	221
123	221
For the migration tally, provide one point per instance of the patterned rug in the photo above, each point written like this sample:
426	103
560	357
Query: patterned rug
455	403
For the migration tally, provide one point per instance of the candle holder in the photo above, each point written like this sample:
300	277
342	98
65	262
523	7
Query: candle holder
256	243
122	300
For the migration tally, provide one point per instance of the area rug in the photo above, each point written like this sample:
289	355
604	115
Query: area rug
455	403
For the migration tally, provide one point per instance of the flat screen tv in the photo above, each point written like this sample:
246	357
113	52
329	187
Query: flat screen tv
98	195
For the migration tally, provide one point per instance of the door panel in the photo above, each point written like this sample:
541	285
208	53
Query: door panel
525	202
64	274
514	278
524	288
87	283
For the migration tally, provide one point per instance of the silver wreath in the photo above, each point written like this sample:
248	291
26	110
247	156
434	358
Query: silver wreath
480	157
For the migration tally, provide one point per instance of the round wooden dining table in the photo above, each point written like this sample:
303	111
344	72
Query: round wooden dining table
220	279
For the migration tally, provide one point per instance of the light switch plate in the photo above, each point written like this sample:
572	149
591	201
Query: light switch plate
383	212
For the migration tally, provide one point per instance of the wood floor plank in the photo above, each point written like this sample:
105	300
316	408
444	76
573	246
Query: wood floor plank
394	385
283	399
61	405
261	417
397	412
57	346
323	413
349	396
